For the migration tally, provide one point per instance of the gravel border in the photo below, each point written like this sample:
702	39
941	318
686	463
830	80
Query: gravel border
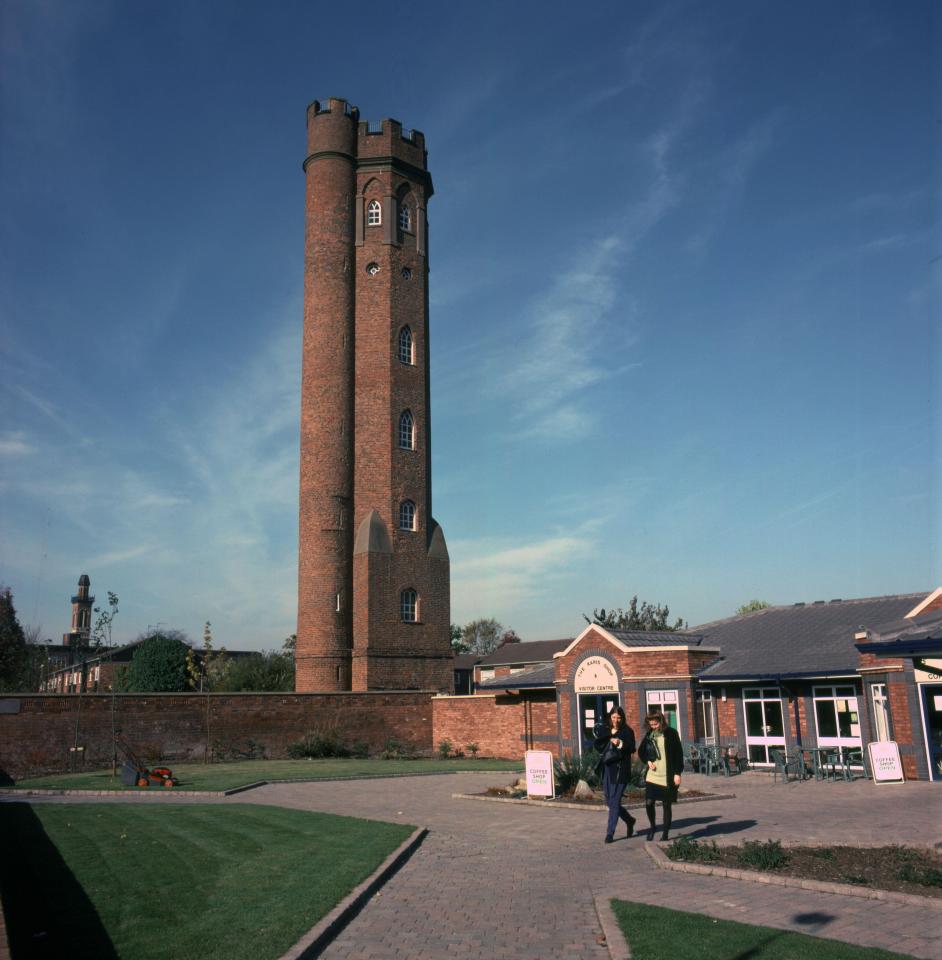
569	805
329	926
661	860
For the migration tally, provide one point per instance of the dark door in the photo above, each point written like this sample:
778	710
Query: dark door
592	708
932	721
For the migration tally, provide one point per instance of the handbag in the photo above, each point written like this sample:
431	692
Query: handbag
612	754
648	750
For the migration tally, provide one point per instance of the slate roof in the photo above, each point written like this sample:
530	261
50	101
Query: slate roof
533	651
465	661
543	676
922	633
811	639
656	638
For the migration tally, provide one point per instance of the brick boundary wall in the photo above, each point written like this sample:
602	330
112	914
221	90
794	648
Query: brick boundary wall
37	731
502	725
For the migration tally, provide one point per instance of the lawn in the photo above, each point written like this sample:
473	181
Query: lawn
226	776
176	882
656	933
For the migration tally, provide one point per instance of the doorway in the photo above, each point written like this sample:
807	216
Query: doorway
932	724
592	708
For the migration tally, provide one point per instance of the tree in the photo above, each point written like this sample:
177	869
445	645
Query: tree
198	665
290	644
14	653
645	617
457	644
752	606
271	671
101	633
481	636
158	664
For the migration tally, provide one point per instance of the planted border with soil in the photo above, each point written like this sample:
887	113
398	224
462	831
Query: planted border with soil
901	869
596	800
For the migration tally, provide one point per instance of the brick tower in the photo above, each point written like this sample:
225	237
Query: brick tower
373	580
80	633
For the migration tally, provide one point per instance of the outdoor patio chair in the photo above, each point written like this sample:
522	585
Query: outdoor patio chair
734	759
785	765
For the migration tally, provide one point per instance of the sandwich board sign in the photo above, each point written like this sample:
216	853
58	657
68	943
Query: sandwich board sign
540	779
885	762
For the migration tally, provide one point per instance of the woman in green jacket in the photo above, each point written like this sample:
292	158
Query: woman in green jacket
664	755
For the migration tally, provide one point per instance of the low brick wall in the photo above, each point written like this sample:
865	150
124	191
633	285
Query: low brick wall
37	731
502	725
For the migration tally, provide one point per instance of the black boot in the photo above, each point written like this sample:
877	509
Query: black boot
629	821
649	810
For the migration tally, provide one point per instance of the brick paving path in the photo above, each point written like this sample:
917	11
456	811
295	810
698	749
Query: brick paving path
504	881
498	880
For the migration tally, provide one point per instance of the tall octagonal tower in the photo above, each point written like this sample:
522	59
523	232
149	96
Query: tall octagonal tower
373	572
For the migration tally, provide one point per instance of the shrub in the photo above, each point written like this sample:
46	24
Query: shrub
930	877
318	745
398	750
444	749
458	753
570	769
683	848
763	856
472	748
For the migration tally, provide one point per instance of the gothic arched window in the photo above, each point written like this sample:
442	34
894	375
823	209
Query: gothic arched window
405	217
374	214
407	515
408	606
407	431
406	347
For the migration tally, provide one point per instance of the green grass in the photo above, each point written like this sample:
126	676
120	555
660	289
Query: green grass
656	933
176	882
225	776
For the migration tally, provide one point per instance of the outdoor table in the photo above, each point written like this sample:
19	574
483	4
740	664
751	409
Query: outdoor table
825	761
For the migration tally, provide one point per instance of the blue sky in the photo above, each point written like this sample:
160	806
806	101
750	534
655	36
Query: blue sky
684	294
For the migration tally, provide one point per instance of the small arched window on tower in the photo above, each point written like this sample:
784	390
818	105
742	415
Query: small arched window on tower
407	515
406	347
407	431
405	218
408	606
374	214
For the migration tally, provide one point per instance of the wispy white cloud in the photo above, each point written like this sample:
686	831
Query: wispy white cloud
490	574
15	445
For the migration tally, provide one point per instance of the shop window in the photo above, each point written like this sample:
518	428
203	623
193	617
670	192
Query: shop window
765	724
881	713
706	716
666	702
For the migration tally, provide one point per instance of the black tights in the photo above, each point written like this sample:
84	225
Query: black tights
666	804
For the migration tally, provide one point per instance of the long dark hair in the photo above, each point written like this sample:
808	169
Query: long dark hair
621	717
655	715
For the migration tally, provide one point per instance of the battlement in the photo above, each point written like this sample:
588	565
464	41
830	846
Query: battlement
374	138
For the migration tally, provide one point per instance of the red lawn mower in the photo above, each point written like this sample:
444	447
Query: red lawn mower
133	773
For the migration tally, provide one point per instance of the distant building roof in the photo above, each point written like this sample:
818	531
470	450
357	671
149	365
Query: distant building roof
542	676
533	651
806	639
466	661
921	634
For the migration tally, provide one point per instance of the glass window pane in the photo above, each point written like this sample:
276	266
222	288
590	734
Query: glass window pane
827	722
757	753
754	725
773	719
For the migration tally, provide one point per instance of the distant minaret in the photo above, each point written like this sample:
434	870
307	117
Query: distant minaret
81	630
373	569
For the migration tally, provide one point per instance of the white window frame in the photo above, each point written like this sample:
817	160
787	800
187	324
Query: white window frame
667	702
406	346
374	213
881	712
405	218
706	714
835	695
406	430
763	695
409	605
407	515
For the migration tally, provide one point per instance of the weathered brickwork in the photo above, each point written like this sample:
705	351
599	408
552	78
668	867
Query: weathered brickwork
172	727
502	725
365	284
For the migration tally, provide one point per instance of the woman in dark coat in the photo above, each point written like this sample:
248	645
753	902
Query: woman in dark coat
664	755
616	743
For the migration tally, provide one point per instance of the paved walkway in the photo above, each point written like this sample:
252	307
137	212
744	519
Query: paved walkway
508	881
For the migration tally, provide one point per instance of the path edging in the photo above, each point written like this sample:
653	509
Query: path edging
664	862
569	805
330	925
618	948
